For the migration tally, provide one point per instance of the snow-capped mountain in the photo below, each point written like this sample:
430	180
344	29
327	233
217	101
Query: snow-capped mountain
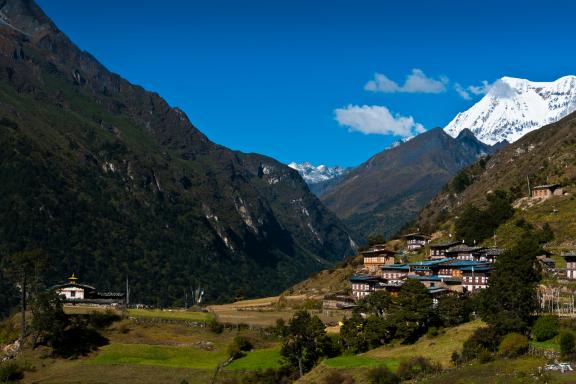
316	174
513	107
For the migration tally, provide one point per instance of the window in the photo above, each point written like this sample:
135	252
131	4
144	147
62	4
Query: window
72	293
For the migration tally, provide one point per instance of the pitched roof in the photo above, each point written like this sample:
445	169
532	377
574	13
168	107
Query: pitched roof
420	235
364	278
396	266
428	263
493	251
444	245
546	186
476	268
67	285
463	248
377	251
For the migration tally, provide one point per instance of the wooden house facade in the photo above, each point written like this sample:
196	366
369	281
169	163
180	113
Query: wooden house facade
438	251
570	258
547	190
416	241
376	257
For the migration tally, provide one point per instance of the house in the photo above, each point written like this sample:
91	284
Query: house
338	301
464	252
74	292
363	285
394	272
546	262
475	277
428	267
437	251
439	285
547	190
570	258
415	241
377	256
490	255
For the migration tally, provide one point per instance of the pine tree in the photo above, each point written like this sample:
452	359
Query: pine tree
510	301
413	311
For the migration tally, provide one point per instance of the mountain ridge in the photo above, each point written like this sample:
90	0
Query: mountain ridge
512	107
543	156
129	187
389	189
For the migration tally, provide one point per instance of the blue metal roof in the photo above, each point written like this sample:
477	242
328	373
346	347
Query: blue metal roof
468	263
395	266
425	278
433	290
364	278
482	268
428	263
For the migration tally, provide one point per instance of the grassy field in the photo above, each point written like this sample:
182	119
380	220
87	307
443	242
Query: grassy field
557	211
438	348
516	371
548	344
175	314
265	312
160	355
154	353
359	361
257	359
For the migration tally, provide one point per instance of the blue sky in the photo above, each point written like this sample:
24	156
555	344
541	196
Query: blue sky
273	76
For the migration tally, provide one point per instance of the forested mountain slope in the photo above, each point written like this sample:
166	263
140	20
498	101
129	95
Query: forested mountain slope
387	191
544	156
111	182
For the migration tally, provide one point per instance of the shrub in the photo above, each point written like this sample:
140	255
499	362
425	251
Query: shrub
382	375
243	343
513	345
432	332
11	372
456	359
417	366
216	326
483	341
337	377
102	320
239	346
485	356
545	328
567	344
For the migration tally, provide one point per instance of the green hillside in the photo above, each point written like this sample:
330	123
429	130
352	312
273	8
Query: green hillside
113	183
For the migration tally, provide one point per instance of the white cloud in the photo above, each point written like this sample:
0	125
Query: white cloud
382	84
501	89
375	119
463	92
480	89
416	82
477	90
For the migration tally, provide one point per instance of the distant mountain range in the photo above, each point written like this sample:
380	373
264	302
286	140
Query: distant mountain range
111	182
319	178
387	191
513	107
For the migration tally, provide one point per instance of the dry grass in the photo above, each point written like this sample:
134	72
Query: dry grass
438	348
266	311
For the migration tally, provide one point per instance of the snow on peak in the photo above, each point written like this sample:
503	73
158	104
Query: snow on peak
513	107
315	174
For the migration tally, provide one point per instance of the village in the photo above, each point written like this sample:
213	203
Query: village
447	267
